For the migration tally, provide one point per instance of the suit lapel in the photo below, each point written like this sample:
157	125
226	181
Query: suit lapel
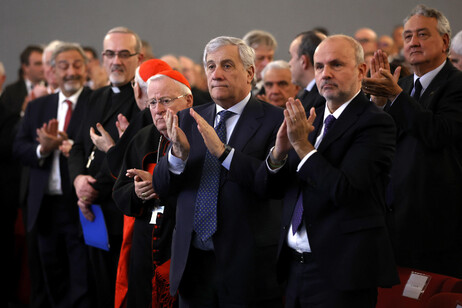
348	117
249	122
435	84
110	109
52	107
74	124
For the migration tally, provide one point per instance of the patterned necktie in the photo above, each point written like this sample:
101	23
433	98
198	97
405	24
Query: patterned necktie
417	89
298	211
68	114
205	214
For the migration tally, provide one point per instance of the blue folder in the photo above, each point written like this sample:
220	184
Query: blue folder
95	232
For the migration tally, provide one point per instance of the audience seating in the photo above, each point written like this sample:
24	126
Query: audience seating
445	300
393	297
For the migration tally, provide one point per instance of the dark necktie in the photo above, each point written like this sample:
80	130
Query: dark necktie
205	214
68	114
417	89
298	211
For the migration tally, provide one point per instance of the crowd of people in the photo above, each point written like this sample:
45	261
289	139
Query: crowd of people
243	181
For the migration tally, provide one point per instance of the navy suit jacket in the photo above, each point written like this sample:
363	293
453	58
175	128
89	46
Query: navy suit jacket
240	212
427	170
40	111
343	188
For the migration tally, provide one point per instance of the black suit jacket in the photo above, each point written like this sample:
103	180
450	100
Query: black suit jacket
40	111
311	98
240	212
427	170
97	110
13	96
343	186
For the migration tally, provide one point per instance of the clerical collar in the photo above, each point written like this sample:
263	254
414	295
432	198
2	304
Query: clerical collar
117	90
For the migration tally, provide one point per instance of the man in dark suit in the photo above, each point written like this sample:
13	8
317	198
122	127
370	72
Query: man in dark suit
18	94
88	166
426	176
220	249
62	256
332	169
301	52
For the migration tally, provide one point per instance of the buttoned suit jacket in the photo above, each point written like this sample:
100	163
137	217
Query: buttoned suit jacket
97	111
427	171
40	111
343	187
240	236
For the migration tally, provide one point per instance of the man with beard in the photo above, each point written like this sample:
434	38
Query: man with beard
88	166
53	224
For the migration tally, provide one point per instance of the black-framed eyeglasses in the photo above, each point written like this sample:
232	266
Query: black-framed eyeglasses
123	54
165	101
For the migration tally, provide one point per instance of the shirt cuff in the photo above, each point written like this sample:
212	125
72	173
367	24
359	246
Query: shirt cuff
273	170
175	165
40	155
227	162
302	162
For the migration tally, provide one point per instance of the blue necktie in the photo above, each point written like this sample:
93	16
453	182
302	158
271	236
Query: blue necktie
205	214
298	211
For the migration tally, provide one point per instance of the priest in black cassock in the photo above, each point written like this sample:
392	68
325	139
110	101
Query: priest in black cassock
88	167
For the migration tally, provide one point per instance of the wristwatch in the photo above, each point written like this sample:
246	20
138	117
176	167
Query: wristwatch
225	154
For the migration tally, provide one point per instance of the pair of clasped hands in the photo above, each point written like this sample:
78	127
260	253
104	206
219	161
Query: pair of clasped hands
293	132
382	85
51	139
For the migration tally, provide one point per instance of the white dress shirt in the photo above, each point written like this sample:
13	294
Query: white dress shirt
54	182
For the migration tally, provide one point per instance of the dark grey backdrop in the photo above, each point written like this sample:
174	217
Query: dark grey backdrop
185	26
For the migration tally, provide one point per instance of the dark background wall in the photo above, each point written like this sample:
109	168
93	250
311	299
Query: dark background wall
185	26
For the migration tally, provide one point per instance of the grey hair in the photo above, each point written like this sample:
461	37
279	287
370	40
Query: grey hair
256	38
456	43
442	26
125	30
184	89
63	47
278	64
50	48
246	53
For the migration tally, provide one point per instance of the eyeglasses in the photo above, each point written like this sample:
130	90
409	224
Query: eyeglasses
164	101
123	54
